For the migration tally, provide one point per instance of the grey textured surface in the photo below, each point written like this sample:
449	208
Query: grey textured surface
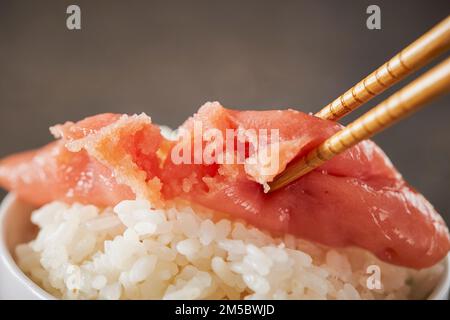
166	58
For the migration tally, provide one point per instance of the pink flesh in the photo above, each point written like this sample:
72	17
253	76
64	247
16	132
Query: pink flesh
357	198
54	173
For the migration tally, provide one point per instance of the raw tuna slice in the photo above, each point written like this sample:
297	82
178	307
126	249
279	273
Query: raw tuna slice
101	160
355	199
55	173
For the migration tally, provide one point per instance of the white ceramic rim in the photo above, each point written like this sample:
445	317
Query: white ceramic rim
7	259
439	292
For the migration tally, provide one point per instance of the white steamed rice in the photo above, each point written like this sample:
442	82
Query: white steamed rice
135	252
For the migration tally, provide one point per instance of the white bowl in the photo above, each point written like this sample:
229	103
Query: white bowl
16	228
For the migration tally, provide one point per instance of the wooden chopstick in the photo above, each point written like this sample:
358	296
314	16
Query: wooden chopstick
411	98
417	54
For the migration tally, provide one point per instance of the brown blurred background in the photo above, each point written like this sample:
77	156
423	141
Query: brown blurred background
166	58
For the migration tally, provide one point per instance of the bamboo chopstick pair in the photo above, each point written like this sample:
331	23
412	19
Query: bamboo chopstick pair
411	98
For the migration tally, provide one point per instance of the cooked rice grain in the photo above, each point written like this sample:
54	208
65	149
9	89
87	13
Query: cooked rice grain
136	252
